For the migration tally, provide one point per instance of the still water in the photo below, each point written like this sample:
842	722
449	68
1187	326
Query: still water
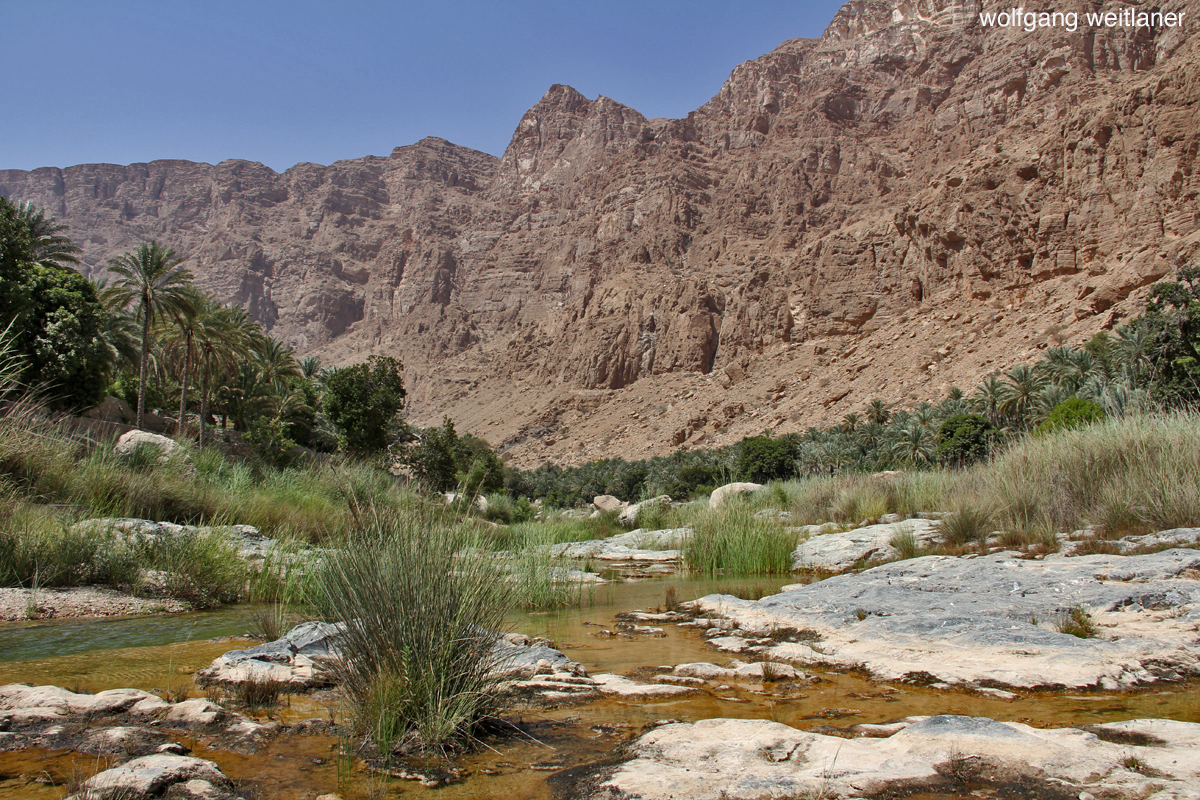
160	652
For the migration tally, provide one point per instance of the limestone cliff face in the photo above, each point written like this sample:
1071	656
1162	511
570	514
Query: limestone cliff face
910	201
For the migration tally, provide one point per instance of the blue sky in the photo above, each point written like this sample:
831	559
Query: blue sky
284	82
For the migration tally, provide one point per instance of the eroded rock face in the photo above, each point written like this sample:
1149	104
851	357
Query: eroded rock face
989	620
910	201
748	759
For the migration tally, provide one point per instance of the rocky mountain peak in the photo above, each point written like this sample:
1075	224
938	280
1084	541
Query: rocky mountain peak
562	136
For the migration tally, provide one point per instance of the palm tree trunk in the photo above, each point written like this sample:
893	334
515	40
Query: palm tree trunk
204	392
141	409
187	363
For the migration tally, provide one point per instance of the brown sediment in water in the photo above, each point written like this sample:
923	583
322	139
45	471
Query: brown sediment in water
299	767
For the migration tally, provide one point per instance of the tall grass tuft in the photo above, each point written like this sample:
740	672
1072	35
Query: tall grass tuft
1125	473
1076	621
731	540
540	579
968	523
906	544
417	654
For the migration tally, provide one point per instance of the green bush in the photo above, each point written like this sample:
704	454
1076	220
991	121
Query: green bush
966	439
762	459
1069	415
364	402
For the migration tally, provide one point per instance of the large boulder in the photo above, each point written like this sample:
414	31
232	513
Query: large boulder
154	776
250	543
113	409
731	490
133	441
840	551
606	502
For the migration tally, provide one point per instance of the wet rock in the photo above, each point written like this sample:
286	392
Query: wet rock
620	686
154	776
50	716
124	740
746	759
56	701
838	552
989	620
529	666
196	711
293	659
739	671
720	495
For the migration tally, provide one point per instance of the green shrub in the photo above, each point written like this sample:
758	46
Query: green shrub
1069	415
1077	621
763	459
364	402
505	510
966	439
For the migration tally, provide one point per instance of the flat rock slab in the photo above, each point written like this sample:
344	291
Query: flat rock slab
838	552
988	619
728	759
636	545
620	686
56	718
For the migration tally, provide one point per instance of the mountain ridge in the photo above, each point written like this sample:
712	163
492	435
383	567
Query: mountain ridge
905	203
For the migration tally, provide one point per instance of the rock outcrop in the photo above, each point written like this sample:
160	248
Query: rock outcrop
908	202
987	621
734	759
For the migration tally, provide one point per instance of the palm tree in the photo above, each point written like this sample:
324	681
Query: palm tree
277	361
180	343
914	445
225	337
878	411
310	367
1056	364
150	278
1131	350
1019	393
50	247
988	396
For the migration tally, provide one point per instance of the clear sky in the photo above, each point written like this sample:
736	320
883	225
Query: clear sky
281	82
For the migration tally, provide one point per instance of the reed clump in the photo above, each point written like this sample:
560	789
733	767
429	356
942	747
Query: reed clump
417	656
732	540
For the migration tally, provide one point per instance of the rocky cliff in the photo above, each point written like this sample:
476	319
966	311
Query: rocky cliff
911	201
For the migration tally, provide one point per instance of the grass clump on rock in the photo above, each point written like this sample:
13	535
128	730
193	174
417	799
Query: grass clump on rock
1077	621
417	663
